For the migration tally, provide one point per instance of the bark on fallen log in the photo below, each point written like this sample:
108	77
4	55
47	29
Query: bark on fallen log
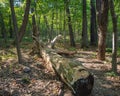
66	53
72	73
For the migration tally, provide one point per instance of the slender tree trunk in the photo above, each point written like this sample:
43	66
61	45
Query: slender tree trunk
48	28
56	17
60	22
25	20
114	42
39	21
10	27
36	35
93	26
3	29
16	31
52	24
102	18
72	41
64	26
84	27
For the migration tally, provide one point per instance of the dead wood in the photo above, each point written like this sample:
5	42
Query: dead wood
78	79
65	52
72	73
57	38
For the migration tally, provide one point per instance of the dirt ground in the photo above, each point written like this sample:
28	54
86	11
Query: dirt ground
106	83
32	79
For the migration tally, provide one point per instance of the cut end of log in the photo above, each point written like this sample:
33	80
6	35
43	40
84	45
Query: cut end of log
83	86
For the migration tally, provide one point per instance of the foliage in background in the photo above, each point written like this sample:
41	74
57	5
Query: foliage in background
54	11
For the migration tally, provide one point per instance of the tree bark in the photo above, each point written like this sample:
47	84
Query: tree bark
60	22
72	42
84	42
16	31
102	18
48	28
77	78
36	49
3	29
10	27
25	20
64	25
93	26
114	42
72	73
52	24
55	40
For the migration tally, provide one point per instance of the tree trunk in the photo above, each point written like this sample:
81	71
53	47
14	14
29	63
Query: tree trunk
84	27
25	20
93	26
72	73
48	28
77	78
102	18
60	22
72	42
64	26
3	29
36	49
56	21
10	27
52	24
16	31
114	42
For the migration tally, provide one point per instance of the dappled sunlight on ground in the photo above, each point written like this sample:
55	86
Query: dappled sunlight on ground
28	79
32	78
106	83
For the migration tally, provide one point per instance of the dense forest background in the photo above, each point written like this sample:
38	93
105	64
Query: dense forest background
52	16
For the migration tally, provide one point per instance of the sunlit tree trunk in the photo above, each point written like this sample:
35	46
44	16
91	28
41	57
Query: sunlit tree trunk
102	19
84	42
72	42
25	20
93	27
16	31
114	42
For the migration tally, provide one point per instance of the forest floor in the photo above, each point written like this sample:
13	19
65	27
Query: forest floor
106	82
32	79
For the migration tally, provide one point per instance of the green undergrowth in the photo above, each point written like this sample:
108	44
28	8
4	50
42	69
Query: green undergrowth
72	49
109	51
118	52
27	39
111	73
25	80
7	54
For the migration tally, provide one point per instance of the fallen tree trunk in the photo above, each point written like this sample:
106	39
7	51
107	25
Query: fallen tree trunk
79	80
72	73
65	53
